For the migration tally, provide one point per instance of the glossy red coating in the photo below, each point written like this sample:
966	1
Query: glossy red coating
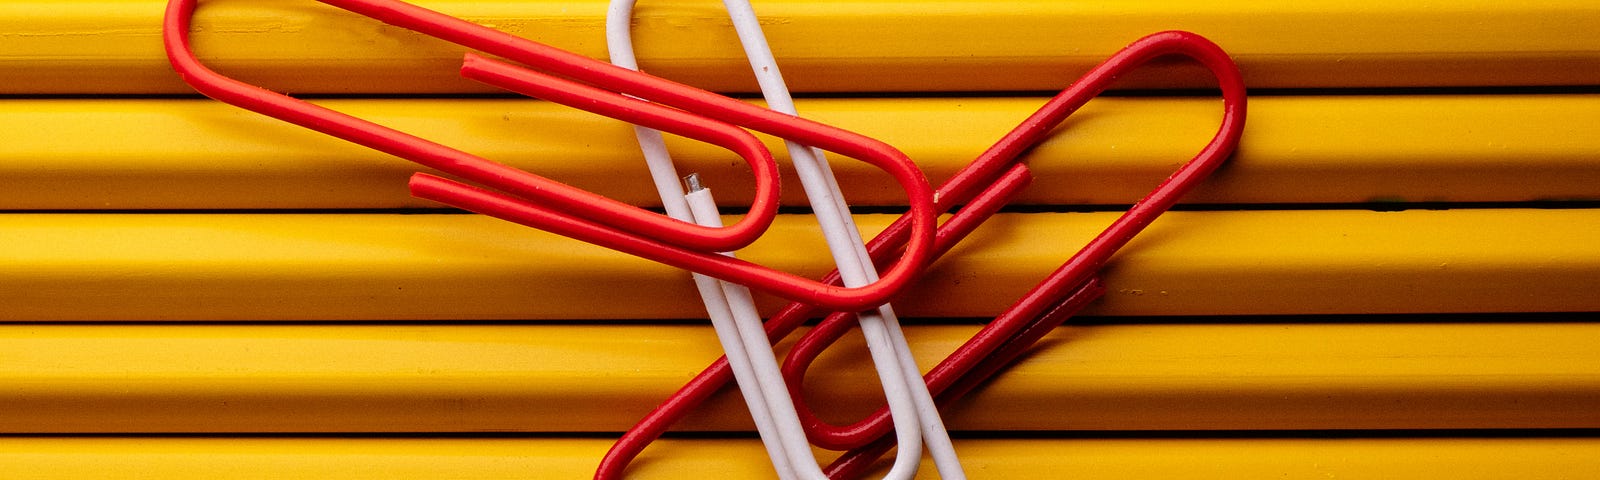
1043	307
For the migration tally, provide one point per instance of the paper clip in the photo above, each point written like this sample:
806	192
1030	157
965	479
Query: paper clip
1076	272
548	205
1067	290
738	324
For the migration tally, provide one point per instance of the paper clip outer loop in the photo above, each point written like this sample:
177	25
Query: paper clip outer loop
555	197
1076	270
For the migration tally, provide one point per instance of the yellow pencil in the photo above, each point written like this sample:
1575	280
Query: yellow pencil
601	378
200	154
966	45
376	267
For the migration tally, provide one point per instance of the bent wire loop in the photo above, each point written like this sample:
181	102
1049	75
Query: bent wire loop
548	205
1073	285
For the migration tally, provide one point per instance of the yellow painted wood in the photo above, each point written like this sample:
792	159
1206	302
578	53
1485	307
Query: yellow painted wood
113	46
478	458
200	154
601	378
375	266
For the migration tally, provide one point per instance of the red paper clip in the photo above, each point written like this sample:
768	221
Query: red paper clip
1077	270
1067	290
552	206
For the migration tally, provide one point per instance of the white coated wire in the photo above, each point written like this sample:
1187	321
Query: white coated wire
765	393
842	235
665	177
911	405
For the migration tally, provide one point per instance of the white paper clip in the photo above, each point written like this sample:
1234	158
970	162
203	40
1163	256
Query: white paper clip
733	312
